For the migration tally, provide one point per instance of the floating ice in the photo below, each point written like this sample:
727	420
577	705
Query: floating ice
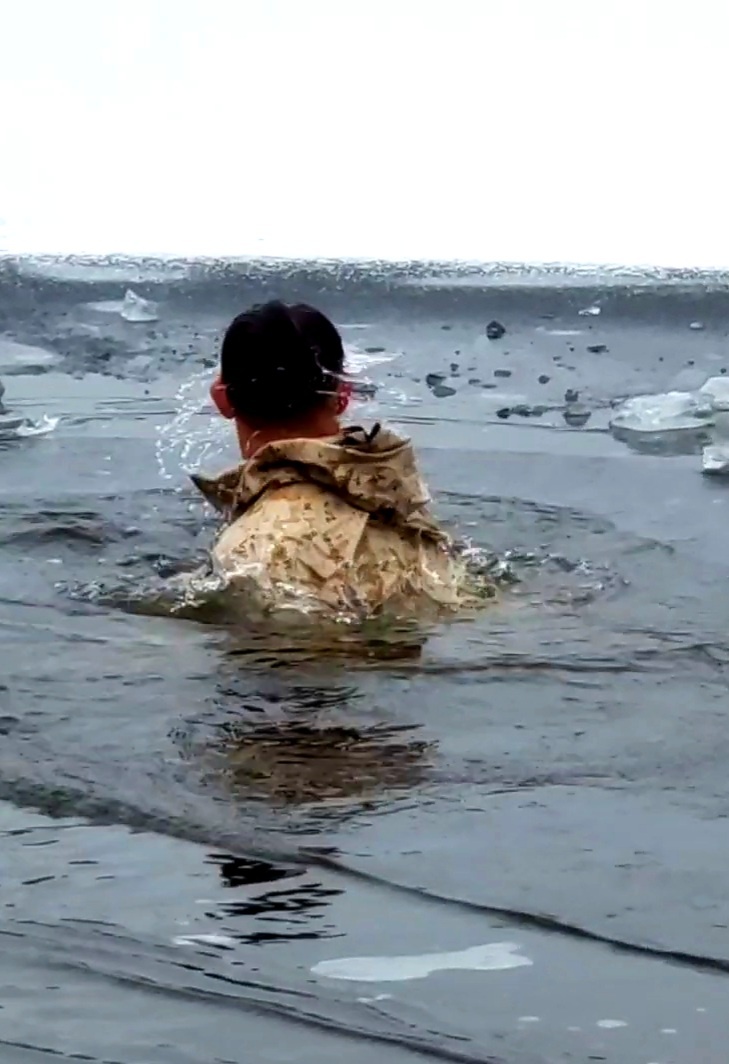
590	312
15	356
132	307
717	390
106	306
38	428
14	427
675	410
9	425
492	957
663	412
715	460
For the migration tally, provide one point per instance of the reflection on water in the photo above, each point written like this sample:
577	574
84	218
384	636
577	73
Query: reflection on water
296	762
291	912
301	745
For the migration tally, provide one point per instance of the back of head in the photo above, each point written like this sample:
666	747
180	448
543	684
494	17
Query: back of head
280	362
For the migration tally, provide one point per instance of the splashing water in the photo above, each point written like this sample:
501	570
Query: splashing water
37	428
358	360
194	437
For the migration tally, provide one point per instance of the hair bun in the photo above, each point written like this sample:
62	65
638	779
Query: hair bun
273	364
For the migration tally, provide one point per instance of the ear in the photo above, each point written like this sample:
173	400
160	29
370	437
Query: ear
219	395
344	395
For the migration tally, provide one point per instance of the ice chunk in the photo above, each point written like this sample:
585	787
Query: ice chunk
132	307
715	460
9	424
136	309
14	427
717	390
15	357
491	957
37	428
663	412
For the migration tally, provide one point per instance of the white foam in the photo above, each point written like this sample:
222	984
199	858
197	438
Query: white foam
590	312
611	1024
492	957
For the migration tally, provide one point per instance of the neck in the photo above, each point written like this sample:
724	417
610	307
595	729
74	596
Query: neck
252	438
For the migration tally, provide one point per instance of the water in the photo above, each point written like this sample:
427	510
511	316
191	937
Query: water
499	841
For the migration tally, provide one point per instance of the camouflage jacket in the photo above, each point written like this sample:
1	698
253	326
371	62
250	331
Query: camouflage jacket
342	520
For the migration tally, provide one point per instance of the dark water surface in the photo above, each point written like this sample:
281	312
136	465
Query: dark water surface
194	821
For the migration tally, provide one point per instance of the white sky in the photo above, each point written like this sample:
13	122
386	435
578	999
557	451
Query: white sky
573	130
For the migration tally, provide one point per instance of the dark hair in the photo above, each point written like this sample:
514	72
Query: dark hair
278	362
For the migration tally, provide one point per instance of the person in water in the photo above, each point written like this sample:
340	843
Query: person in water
337	514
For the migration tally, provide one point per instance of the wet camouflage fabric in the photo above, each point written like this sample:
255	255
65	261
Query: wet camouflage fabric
345	521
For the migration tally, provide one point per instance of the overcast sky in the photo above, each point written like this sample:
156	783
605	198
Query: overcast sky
573	130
